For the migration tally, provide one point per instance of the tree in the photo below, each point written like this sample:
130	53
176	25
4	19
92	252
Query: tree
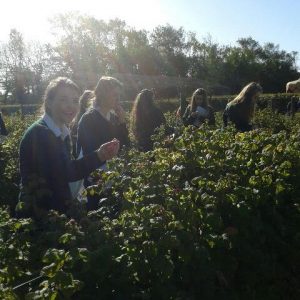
172	44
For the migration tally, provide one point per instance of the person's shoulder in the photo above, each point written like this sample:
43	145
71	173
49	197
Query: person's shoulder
88	116
37	132
37	126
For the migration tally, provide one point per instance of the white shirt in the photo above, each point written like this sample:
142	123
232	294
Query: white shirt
108	115
63	132
58	132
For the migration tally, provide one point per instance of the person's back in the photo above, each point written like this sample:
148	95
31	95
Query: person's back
237	114
240	110
146	128
146	117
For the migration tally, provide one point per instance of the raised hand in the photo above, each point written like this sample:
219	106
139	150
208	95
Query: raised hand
108	150
120	113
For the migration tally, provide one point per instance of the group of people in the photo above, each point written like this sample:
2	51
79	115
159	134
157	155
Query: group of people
239	111
79	134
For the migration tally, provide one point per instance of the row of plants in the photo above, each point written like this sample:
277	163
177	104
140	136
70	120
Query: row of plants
210	213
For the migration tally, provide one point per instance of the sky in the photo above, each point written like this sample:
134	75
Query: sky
275	21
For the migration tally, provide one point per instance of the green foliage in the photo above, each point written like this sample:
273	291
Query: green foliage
208	214
86	47
9	158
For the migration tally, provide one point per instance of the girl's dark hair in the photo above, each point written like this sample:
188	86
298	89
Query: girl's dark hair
199	92
84	102
53	88
143	104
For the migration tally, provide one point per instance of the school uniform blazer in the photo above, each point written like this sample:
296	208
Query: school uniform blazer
146	128
94	130
235	112
46	167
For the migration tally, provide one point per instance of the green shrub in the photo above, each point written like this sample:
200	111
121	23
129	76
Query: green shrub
210	213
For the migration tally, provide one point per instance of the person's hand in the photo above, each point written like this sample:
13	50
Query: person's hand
120	113
108	150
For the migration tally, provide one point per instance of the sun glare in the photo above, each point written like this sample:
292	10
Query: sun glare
31	18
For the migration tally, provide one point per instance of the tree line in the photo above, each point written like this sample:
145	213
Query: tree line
86	48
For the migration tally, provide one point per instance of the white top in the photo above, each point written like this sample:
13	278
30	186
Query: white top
202	111
58	132
108	115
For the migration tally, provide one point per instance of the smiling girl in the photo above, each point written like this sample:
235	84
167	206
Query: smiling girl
46	167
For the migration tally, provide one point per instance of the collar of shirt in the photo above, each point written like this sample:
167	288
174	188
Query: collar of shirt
107	117
58	132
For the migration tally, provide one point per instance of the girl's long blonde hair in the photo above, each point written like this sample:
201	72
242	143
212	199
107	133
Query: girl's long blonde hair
244	99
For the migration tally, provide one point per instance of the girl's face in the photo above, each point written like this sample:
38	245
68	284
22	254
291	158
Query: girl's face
113	97
200	99
64	106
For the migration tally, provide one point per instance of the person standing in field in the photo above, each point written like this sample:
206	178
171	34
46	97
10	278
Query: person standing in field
145	117
104	121
199	110
240	111
47	169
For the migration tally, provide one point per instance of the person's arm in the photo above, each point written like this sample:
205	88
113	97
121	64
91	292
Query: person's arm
80	168
183	104
188	117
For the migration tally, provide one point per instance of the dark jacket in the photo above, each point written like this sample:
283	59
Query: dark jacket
188	119
47	168
94	130
146	127
235	112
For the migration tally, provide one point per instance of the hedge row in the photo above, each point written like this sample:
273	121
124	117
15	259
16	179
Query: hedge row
278	102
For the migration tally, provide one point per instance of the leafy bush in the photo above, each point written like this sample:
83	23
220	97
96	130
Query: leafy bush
9	159
208	214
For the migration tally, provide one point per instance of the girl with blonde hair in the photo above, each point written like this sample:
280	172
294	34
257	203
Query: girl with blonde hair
240	111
